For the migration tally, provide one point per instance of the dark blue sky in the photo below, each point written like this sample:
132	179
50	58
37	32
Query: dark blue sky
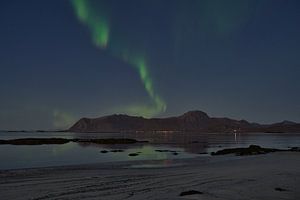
238	59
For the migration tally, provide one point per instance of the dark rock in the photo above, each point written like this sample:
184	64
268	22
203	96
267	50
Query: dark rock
251	150
117	150
165	150
159	150
280	189
133	154
104	151
175	153
35	141
108	141
190	192
297	149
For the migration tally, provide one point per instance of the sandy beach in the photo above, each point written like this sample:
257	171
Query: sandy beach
270	176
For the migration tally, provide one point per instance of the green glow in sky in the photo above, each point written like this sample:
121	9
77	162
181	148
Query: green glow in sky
97	24
62	119
158	104
99	27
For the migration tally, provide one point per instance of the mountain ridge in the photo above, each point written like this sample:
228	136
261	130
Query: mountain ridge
191	121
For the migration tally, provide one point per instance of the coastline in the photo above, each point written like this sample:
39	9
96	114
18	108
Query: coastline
267	176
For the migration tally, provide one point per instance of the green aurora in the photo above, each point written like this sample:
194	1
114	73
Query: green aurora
215	18
98	25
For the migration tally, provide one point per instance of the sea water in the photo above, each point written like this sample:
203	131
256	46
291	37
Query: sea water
161	146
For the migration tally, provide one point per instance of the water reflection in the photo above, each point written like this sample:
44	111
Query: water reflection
71	153
185	145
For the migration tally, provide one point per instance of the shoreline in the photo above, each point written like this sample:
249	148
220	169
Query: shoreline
268	176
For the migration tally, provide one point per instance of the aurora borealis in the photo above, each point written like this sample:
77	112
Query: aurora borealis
98	24
99	28
63	60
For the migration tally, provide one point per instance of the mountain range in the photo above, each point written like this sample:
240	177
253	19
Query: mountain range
192	121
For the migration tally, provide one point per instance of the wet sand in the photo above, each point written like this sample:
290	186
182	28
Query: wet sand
270	176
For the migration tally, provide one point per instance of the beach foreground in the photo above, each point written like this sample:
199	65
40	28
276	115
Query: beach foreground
271	176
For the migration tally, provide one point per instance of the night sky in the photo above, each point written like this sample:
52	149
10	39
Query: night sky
62	60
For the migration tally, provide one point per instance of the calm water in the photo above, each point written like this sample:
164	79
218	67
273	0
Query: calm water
187	146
